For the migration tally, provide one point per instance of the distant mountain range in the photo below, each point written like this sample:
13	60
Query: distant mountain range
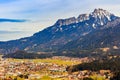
99	30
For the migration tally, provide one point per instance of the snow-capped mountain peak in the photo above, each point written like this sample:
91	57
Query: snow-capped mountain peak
98	17
101	17
100	12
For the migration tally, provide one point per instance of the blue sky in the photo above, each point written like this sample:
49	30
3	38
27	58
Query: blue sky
22	18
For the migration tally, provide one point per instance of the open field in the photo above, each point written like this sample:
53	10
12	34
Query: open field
48	60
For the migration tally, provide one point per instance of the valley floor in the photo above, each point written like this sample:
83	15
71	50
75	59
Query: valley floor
44	69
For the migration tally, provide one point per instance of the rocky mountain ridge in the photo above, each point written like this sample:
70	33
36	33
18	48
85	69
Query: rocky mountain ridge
64	32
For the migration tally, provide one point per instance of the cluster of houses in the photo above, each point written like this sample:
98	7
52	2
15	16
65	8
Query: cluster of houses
32	70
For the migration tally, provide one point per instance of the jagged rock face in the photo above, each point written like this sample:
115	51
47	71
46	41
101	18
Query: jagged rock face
101	17
112	24
62	22
98	17
83	17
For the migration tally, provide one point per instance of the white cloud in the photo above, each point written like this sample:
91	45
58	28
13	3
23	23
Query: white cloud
44	13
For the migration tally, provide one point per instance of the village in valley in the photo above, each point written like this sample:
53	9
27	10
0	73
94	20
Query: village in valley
47	69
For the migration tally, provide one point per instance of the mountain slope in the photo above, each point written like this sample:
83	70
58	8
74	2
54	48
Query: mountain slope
108	36
61	33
